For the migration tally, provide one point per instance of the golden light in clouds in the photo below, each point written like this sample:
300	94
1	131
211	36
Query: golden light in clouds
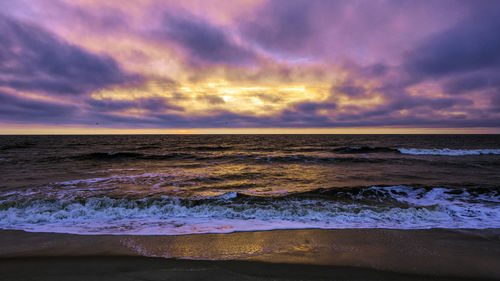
193	63
211	97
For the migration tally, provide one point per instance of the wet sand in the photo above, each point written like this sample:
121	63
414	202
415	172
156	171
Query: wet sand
139	268
352	254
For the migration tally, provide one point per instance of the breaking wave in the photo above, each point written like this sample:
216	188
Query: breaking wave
400	207
415	151
364	149
447	151
335	155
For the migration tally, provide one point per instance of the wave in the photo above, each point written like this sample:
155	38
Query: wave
129	155
147	147
208	148
363	150
322	157
447	151
108	155
249	158
17	146
400	207
415	151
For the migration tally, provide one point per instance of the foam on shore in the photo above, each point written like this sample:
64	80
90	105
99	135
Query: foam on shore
394	207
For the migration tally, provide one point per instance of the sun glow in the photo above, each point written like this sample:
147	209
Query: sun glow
207	98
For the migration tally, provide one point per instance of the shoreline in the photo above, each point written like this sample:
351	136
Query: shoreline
447	253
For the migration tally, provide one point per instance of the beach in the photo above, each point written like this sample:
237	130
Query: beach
249	140
348	254
250	207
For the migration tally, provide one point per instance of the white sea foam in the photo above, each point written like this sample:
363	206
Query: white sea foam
447	151
417	209
83	181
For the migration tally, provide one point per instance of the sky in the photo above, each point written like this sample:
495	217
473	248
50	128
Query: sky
249	66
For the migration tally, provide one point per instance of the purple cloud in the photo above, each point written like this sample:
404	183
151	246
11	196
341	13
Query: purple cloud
203	40
281	26
25	110
405	63
471	45
150	104
34	59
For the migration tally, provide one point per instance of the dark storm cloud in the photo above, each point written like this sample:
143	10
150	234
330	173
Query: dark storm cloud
399	101
203	40
397	98
169	120
110	105
21	109
495	101
410	102
150	104
36	60
280	26
290	118
211	99
375	70
282	43
349	89
304	115
156	104
471	45
471	82
313	107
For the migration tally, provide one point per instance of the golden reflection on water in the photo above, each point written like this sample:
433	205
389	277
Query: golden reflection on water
206	246
300	246
394	250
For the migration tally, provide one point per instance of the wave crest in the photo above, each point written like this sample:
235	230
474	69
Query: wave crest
400	207
447	151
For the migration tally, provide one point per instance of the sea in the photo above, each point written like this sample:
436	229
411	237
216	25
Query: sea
187	184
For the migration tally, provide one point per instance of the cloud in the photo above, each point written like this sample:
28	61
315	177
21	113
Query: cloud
495	101
211	99
411	102
203	40
365	31
348	88
149	104
20	109
405	63
280	26
268	98
34	59
471	45
421	112
313	107
480	80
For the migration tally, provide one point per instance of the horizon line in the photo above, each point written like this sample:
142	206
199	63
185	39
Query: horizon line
55	130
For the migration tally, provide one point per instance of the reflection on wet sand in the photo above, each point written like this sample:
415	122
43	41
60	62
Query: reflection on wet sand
465	253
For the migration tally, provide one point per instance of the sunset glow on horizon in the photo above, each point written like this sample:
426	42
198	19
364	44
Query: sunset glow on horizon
269	66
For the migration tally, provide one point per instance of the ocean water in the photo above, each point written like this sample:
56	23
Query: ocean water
184	184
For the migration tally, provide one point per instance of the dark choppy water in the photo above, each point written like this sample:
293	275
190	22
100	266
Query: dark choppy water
199	183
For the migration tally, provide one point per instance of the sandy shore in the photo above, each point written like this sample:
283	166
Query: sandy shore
361	254
140	268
